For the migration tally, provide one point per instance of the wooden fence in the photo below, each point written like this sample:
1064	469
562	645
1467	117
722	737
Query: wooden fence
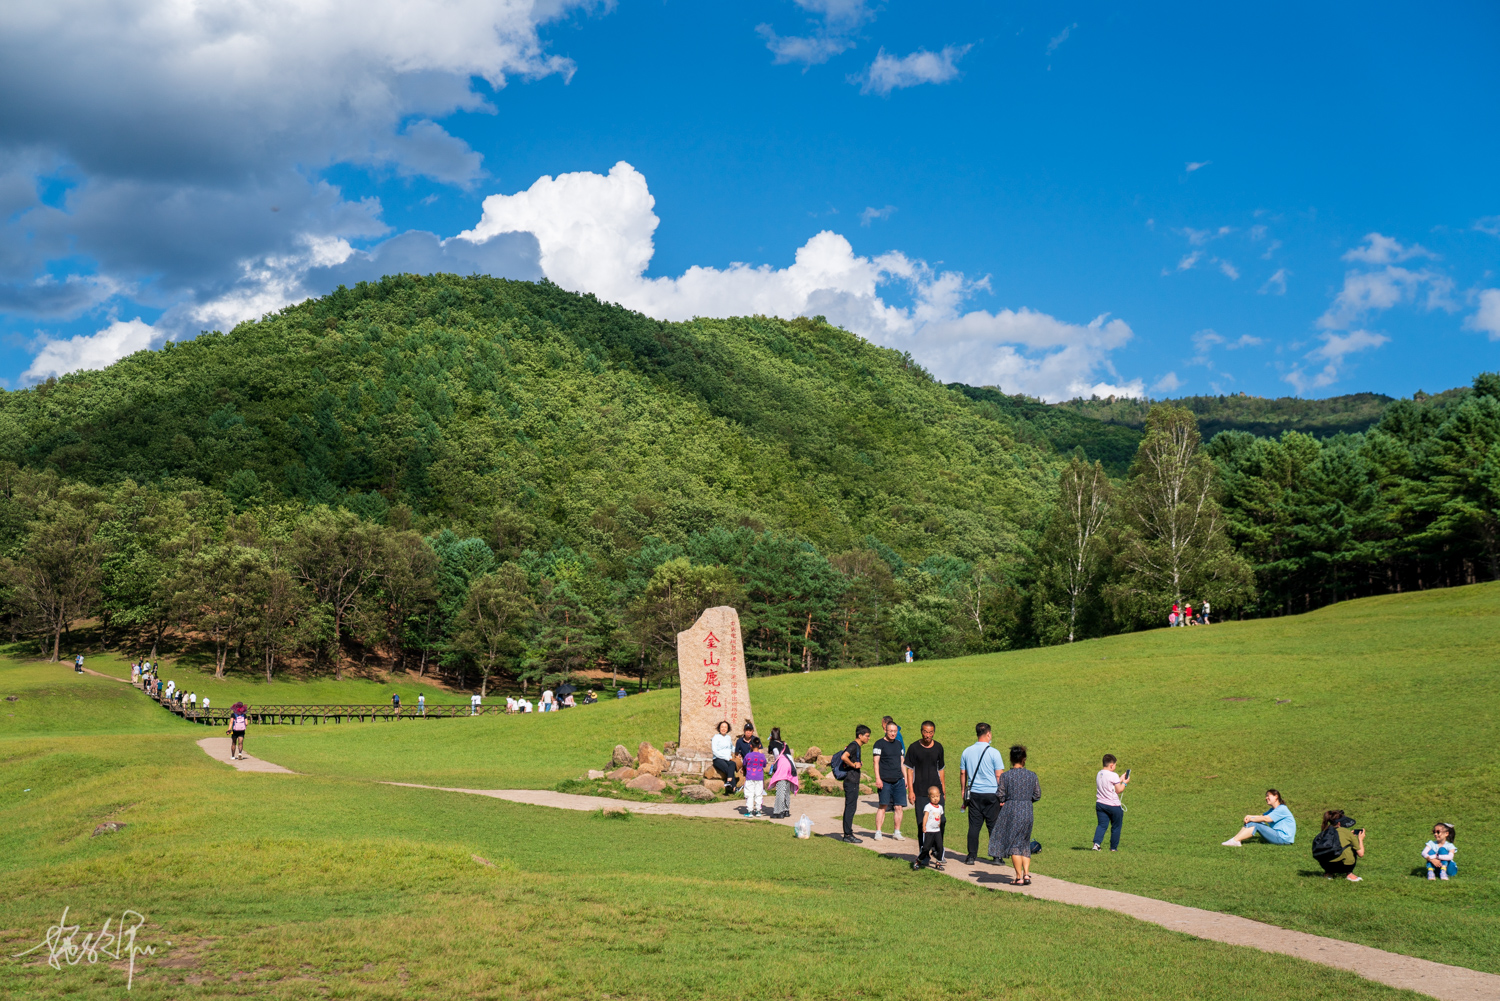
219	716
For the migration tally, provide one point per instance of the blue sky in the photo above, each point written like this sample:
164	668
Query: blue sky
1053	199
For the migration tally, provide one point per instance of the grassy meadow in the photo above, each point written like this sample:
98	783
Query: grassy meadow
327	883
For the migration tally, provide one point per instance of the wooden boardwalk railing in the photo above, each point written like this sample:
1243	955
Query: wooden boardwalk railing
219	716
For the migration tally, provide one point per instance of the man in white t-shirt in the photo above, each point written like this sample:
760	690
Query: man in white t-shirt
1107	805
525	706
547	700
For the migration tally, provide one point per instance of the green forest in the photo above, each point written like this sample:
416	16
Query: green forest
506	483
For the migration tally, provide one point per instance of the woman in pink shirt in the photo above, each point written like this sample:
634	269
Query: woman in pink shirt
1107	805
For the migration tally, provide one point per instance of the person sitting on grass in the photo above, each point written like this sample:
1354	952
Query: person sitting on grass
1277	827
1350	840
1439	852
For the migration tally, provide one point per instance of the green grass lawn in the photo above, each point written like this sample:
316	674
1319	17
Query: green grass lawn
326	882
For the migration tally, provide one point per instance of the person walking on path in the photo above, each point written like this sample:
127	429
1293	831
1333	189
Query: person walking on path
396	701
421	703
784	781
1206	610
1107	805
1019	788
890	779
931	831
850	759
1276	827
925	766
722	746
979	770
238	722
755	778
1351	843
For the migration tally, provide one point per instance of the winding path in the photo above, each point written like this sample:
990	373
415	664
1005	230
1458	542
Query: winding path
1438	980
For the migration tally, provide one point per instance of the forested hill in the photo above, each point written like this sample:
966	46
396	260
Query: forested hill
1263	416
530	417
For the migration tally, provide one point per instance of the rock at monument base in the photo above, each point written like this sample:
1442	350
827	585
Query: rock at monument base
623	774
830	785
812	754
646	782
621	758
698	794
595	773
714	786
651	760
813	773
825	760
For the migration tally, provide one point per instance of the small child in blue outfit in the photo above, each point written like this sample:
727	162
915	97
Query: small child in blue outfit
1439	852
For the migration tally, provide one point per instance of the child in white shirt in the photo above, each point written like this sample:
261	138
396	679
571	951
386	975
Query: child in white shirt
1439	852
932	831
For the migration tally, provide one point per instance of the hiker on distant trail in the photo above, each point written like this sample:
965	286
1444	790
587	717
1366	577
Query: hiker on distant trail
931	830
783	779
1187	614
979	771
205	703
1277	826
78	663
908	655
722	745
925	765
1205	613
396	701
1339	846
1439	852
547	698
890	778
1107	805
238	722
850	760
1019	788
755	778
421	703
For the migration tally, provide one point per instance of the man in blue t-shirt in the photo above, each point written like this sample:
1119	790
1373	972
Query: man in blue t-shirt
979	769
1277	825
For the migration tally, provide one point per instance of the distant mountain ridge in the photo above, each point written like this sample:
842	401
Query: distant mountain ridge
1077	423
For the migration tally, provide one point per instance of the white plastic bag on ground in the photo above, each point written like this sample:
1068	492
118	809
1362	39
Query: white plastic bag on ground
804	827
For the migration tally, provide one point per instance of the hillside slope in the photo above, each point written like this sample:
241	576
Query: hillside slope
527	414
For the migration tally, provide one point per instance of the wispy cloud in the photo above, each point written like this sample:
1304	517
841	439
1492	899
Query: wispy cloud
1334	349
1230	271
1193	165
1489	224
888	72
1378	249
1060	37
869	215
834	22
1168	383
1199	237
1276	284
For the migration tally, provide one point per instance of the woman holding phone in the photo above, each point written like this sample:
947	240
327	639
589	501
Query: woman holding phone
1107	805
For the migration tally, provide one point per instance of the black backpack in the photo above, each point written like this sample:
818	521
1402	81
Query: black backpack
1326	846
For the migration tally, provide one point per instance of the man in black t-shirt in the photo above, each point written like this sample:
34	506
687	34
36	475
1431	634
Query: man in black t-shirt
850	758
890	778
924	768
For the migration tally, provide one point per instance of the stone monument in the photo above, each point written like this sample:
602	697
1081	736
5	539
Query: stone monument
711	666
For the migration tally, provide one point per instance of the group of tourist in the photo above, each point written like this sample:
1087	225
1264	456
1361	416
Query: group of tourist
550	701
997	792
1182	614
144	676
1340	842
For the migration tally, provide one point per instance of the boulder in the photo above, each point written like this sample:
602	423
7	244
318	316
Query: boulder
646	782
622	774
621	757
108	827
813	773
829	785
595	773
825	760
651	760
698	794
812	755
714	786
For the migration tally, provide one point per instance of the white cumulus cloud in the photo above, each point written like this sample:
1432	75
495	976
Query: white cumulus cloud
595	234
116	341
1487	318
